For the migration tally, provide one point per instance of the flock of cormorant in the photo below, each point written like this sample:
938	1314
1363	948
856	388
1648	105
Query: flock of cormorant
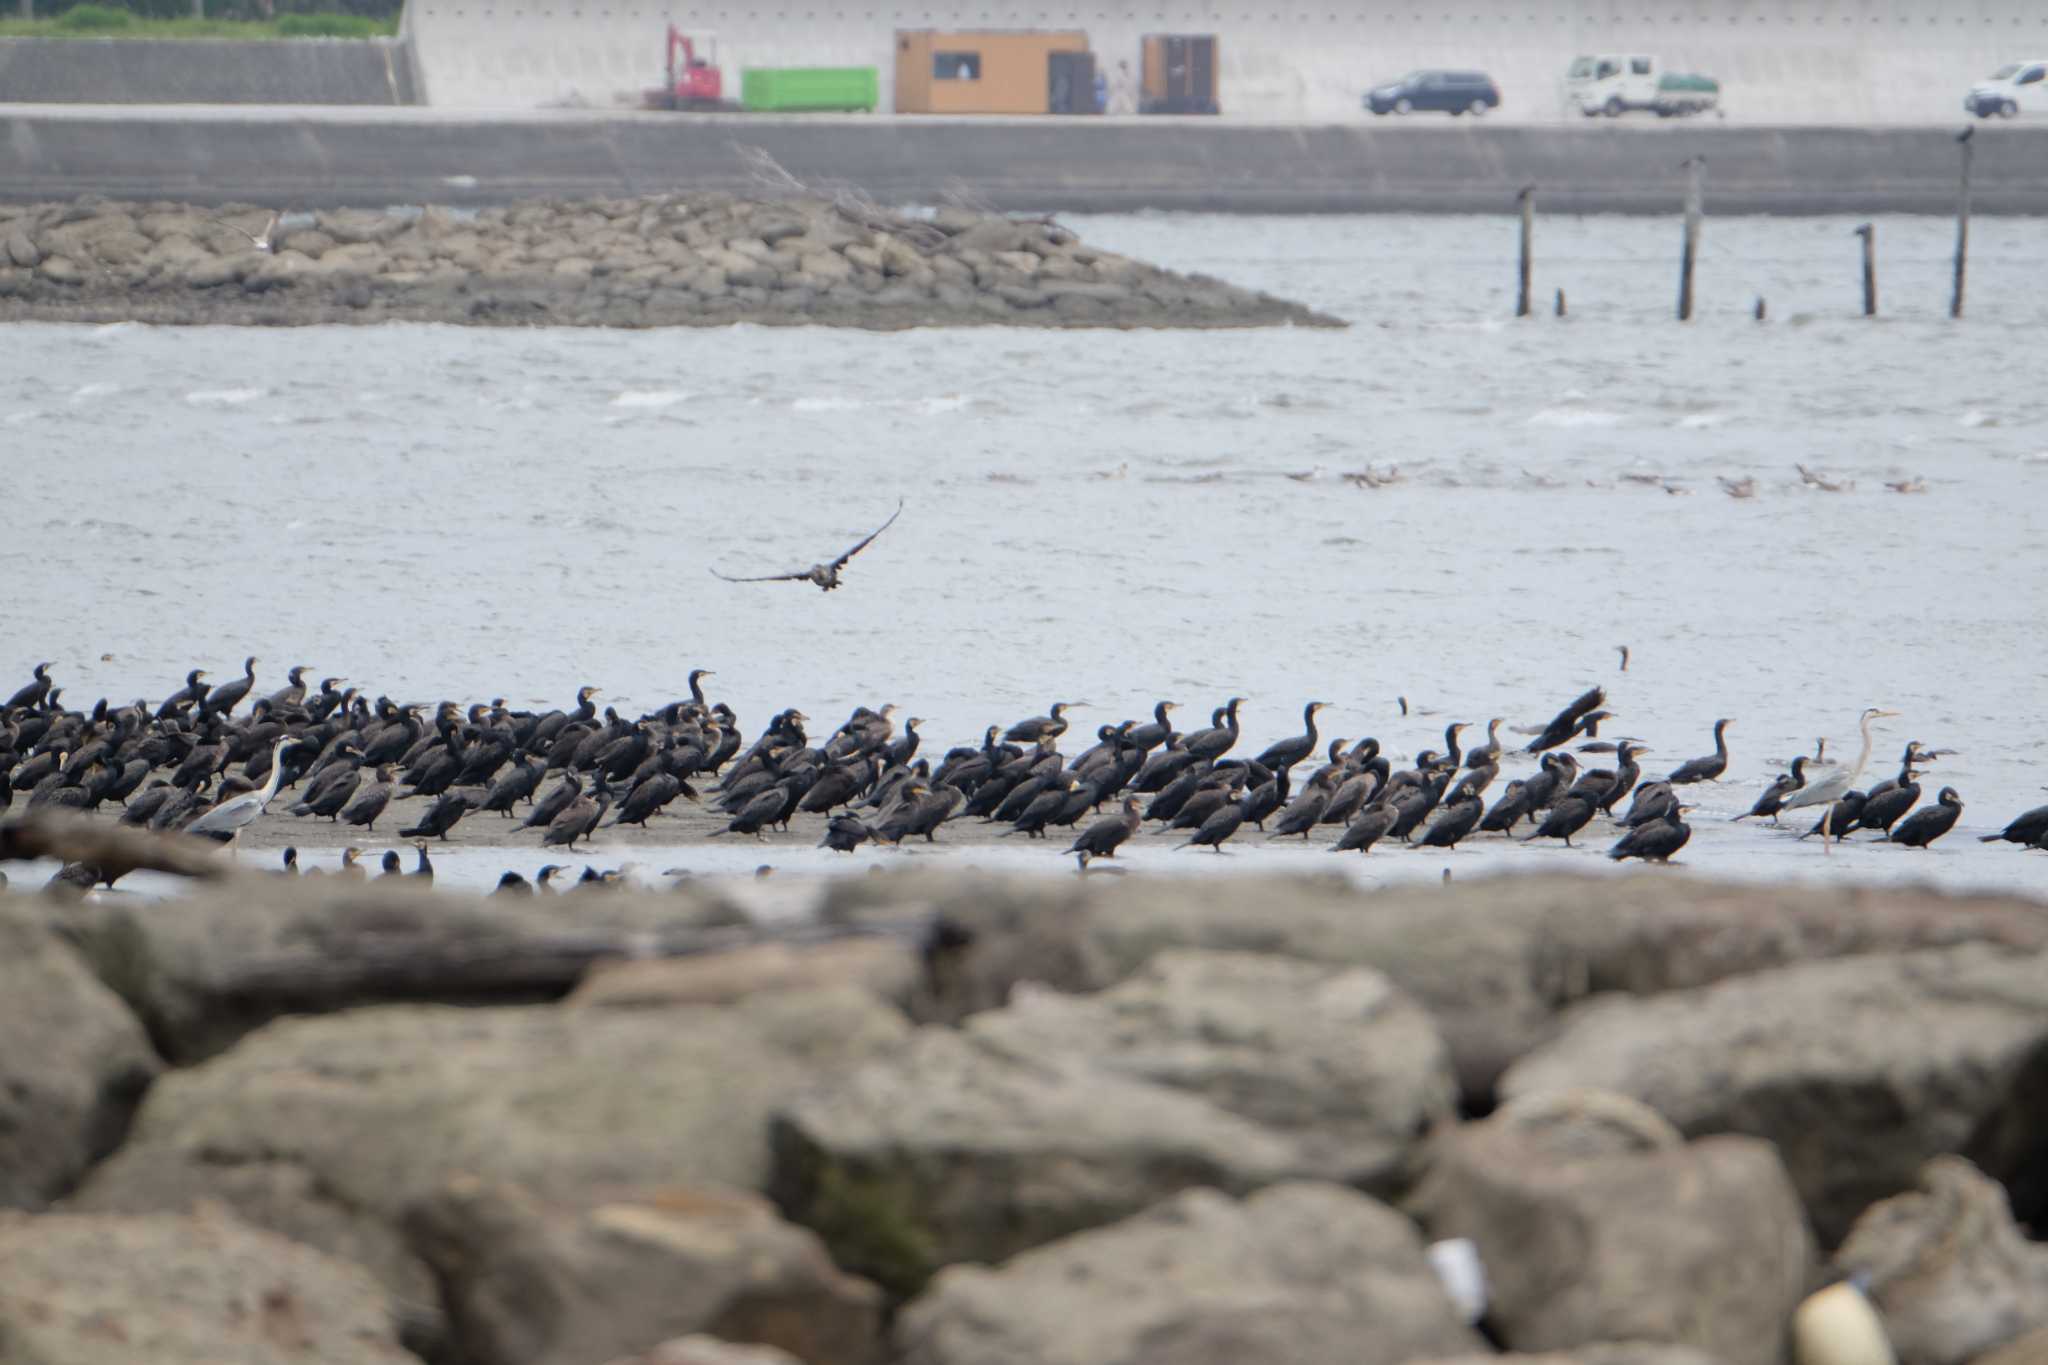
209	760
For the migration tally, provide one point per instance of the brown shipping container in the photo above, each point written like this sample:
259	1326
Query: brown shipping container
990	72
1179	75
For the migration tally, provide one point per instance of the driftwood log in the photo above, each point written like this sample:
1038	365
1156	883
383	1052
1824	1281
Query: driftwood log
113	851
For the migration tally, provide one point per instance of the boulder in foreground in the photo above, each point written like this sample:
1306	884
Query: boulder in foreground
1858	1069
1063	1112
74	1063
1596	1222
527	1282
1298	1274
182	1290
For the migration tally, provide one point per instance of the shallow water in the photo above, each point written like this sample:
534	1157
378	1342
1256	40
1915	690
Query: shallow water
1116	517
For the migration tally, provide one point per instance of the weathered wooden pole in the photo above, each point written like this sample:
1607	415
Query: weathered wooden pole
1955	302
1560	303
1528	198
1869	235
1696	169
1761	311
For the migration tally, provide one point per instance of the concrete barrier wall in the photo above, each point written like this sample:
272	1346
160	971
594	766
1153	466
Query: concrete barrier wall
132	71
297	157
1779	61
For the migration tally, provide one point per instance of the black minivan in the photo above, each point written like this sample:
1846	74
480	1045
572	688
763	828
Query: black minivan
1453	92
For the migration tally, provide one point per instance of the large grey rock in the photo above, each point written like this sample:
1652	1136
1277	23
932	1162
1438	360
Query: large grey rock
1060	1113
236	956
22	251
703	1350
886	967
950	1150
1859	1070
1495	961
1600	1353
1299	1274
530	1283
2030	1349
1596	1224
73	1066
1336	1060
328	1129
1947	1268
93	1290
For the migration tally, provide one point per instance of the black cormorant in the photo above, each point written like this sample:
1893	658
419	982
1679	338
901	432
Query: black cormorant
826	576
224	699
1105	836
1563	820
369	801
1923	827
1286	753
1654	841
2026	828
1567	722
1457	819
1782	786
1038	727
1710	768
435	822
1370	826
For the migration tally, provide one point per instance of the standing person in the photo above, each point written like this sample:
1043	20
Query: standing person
1123	93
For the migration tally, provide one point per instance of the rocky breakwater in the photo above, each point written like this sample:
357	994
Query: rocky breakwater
661	261
963	1120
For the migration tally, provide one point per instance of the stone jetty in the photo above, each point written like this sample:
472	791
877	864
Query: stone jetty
951	1118
672	260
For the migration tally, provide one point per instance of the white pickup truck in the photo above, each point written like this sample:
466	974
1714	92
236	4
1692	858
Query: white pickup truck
1613	85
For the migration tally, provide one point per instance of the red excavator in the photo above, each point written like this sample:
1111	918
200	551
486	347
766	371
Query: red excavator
693	81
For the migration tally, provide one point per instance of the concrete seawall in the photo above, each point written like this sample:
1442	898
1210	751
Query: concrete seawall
331	158
133	71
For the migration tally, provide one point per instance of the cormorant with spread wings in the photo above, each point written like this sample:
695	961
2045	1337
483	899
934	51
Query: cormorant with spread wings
826	576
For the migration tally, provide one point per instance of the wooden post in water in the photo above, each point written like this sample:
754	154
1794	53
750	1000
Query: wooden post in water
1560	303
1761	311
1869	235
1955	302
1696	169
1528	198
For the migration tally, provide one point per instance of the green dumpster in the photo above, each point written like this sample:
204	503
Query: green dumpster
794	89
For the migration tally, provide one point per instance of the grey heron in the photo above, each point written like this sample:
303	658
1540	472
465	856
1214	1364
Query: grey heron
226	821
1825	782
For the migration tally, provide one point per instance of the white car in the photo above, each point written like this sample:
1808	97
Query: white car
2016	88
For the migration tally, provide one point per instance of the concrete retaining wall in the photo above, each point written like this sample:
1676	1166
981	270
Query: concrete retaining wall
373	157
1779	61
132	71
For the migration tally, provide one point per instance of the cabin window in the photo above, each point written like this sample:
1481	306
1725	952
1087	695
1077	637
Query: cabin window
956	66
2034	74
1639	65
1608	69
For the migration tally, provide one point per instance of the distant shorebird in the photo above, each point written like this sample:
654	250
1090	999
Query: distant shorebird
1813	480
1914	485
1738	488
262	242
826	576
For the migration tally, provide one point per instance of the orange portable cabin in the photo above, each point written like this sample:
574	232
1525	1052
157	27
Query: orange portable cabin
1179	74
1025	72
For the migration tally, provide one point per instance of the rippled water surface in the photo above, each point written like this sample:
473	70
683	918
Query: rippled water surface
1116	517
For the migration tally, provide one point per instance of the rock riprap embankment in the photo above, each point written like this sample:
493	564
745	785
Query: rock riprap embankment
661	261
950	1118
